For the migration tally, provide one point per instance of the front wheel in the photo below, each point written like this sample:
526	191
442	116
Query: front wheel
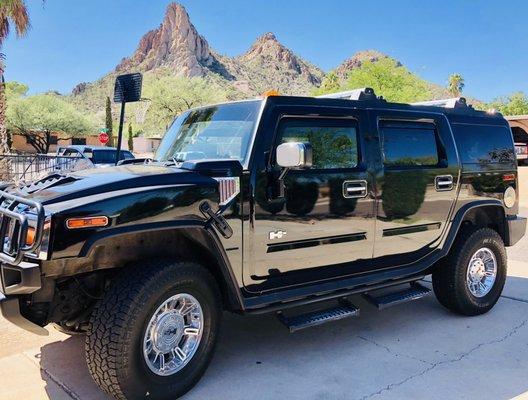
154	332
470	279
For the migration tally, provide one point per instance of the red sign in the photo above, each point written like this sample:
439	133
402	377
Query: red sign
104	138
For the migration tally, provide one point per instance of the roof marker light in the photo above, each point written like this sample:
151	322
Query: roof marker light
270	93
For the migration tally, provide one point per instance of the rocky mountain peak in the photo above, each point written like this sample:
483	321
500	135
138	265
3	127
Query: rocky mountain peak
268	54
268	46
175	44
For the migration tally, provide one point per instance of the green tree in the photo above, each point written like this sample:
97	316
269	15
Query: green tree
455	84
330	84
171	95
38	117
514	104
389	79
109	122
130	138
14	90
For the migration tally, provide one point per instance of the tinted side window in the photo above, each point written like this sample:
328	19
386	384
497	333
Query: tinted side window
334	142
71	153
484	143
409	144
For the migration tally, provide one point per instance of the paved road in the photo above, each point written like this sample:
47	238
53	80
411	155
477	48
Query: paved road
417	350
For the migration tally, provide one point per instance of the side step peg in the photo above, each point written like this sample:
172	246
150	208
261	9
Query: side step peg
297	322
416	291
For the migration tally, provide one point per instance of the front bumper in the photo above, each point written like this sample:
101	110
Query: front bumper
516	228
17	280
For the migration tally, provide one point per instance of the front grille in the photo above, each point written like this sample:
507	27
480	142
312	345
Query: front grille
14	226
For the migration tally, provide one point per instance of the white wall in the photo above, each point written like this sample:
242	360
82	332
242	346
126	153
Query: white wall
523	186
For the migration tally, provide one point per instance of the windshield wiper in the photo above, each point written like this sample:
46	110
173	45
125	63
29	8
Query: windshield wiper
175	161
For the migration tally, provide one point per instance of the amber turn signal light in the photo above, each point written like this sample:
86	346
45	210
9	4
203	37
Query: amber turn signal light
271	92
30	236
87	222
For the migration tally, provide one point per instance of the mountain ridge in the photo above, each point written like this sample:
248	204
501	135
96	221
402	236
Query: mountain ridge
176	48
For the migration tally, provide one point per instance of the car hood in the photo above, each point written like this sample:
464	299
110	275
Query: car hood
95	181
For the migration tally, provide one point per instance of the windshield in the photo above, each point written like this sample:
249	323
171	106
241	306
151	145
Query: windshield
216	132
109	156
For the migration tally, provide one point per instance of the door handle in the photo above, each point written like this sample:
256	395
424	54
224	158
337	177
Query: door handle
355	189
443	183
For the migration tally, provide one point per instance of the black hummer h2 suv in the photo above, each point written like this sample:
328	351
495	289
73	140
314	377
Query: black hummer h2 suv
261	206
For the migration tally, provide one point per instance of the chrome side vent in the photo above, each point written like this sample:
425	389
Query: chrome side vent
228	188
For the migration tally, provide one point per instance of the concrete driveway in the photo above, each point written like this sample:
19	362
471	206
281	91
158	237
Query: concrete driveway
417	350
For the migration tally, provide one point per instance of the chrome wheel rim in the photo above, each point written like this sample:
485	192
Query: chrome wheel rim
173	334
481	272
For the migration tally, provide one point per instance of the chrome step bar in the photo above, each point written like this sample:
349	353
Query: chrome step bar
295	323
414	292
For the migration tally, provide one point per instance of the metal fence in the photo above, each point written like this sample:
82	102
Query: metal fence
19	168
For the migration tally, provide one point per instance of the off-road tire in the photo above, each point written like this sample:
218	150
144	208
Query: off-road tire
114	339
450	274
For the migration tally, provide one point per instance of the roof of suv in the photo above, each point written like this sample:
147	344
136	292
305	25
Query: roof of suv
383	104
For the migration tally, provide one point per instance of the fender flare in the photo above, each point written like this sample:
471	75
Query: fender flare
459	217
209	240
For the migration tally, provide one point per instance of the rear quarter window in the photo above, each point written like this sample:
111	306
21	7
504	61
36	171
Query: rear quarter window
484	144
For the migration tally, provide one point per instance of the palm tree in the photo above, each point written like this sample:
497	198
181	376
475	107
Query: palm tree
455	84
13	13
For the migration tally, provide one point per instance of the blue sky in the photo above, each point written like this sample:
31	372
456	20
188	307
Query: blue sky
72	41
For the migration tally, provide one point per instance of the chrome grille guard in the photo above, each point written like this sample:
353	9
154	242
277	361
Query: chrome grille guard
14	227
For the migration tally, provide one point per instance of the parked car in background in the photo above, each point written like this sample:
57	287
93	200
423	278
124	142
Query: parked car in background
521	150
91	156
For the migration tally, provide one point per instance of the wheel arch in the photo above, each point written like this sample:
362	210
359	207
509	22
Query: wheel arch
117	248
483	213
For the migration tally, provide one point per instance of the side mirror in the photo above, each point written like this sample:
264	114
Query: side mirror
295	155
290	155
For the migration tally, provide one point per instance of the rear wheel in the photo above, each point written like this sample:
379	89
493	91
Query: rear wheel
154	332
470	279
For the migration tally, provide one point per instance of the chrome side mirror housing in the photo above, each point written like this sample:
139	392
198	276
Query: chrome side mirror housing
295	155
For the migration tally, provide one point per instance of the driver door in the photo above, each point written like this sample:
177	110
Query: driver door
325	221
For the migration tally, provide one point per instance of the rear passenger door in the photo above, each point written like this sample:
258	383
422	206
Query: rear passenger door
417	187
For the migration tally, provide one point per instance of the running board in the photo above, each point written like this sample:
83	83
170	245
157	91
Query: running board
297	322
416	291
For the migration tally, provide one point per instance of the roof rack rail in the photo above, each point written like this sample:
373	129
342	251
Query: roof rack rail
455	102
356	94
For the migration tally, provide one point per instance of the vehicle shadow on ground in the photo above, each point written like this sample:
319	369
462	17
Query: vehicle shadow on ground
414	343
